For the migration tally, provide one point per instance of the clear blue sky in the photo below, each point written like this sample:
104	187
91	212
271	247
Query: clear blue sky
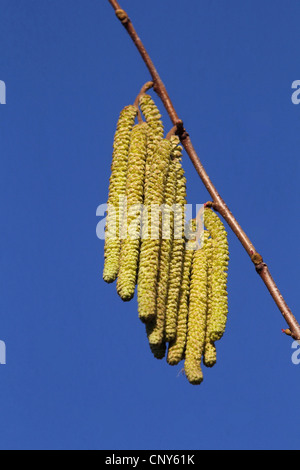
79	372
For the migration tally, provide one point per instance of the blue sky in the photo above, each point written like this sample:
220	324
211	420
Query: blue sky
79	372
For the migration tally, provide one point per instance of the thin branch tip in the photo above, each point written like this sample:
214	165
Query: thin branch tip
142	92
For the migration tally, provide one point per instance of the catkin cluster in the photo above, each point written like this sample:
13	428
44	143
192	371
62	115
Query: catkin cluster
151	250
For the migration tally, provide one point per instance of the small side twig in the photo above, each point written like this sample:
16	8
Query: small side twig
144	90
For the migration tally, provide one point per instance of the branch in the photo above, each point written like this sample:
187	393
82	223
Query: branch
218	203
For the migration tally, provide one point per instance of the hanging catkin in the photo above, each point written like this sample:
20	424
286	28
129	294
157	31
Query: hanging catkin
155	328
210	353
158	350
176	264
177	346
152	115
130	246
154	138
218	291
197	319
156	130
117	189
150	247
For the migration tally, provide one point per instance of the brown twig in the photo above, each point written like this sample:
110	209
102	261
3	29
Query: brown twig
171	132
218	203
144	90
136	103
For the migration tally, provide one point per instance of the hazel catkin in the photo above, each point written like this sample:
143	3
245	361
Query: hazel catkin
197	319
152	115
155	328
210	353
218	279
117	188
150	246
177	346
176	263
156	130
130	246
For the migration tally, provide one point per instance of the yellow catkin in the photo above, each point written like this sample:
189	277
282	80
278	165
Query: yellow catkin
176	264
197	319
210	353
155	328
177	346
152	114
156	129
117	189
130	246
218	282
154	138
150	247
158	350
